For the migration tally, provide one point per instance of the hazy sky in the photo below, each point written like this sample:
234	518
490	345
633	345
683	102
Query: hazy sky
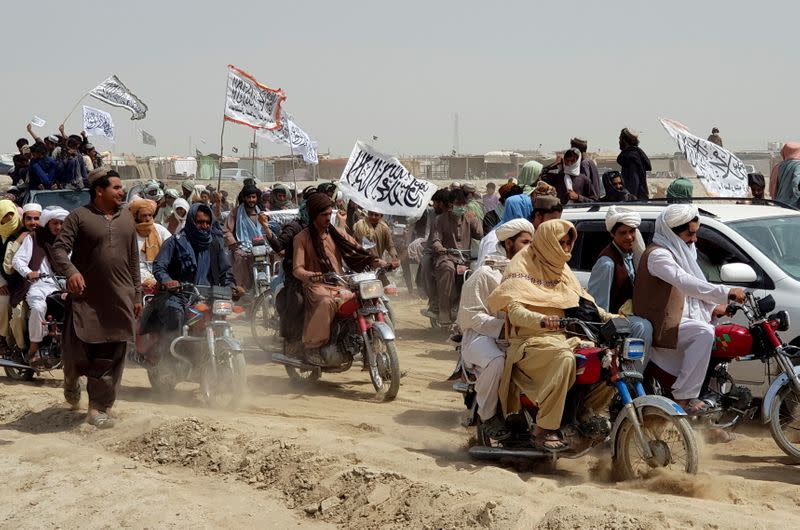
519	74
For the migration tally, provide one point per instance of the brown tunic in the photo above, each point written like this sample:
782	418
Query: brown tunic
381	235
105	252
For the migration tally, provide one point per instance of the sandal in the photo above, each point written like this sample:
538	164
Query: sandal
496	429
549	441
101	420
694	406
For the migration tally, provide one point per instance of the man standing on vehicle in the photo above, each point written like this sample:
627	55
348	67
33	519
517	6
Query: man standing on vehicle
673	294
481	328
97	252
614	273
453	230
241	227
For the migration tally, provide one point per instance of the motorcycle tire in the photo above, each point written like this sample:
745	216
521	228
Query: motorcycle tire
226	386
786	406
264	321
19	374
302	377
388	367
654	420
163	378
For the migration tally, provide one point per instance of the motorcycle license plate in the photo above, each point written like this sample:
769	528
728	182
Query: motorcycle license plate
461	269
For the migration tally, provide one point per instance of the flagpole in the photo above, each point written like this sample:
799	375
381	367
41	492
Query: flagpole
294	170
253	147
222	134
74	107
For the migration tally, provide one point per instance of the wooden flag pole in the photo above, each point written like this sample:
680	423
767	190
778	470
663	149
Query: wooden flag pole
74	107
221	136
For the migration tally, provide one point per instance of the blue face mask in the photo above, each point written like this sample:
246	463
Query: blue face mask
459	210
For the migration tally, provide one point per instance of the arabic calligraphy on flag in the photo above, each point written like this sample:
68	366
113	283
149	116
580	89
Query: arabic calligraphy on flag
380	183
97	122
720	171
295	137
250	103
114	92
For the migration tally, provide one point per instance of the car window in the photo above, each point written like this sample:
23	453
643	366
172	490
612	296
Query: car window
67	199
715	250
776	238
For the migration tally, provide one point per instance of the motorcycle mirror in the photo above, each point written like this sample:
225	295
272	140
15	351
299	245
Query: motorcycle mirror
737	273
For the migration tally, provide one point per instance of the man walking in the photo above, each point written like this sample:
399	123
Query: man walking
105	293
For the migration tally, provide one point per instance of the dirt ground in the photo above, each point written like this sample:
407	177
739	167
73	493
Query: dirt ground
331	456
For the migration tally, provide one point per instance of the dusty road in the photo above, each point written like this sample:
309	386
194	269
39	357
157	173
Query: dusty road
332	456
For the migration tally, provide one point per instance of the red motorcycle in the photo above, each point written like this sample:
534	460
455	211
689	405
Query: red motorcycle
730	403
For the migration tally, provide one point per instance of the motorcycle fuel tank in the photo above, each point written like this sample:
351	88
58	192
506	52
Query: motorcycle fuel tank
731	341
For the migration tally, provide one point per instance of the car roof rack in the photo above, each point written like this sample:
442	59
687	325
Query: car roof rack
595	206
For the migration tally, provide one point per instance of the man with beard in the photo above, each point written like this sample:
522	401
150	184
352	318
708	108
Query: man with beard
241	227
318	249
96	250
32	261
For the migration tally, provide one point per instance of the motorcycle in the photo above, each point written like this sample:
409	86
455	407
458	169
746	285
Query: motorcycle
729	403
644	431
361	330
205	352
264	319
463	260
17	366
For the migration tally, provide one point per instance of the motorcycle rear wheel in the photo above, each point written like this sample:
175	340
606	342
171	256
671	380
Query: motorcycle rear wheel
226	386
387	379
163	377
670	437
264	321
784	421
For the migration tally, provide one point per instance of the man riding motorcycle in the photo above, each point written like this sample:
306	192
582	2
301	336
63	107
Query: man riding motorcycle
241	226
195	255
671	292
321	248
481	328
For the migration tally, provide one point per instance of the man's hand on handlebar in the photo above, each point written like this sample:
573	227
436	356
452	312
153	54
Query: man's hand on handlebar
238	292
552	323
395	263
737	294
171	285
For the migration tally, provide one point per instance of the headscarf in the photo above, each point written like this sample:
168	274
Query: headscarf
685	255
49	214
539	276
197	195
199	239
511	229
172	192
787	175
529	174
622	215
44	237
517	207
153	191
613	194
8	229
188	185
194	249
789	151
146	229
180	203
755	179
572	170
680	189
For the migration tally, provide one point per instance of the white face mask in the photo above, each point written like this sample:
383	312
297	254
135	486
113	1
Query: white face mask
573	170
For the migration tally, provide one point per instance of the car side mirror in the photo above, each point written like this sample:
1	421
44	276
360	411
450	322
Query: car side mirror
737	273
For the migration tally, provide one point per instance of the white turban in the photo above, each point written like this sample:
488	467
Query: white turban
31	207
512	228
622	215
56	213
678	214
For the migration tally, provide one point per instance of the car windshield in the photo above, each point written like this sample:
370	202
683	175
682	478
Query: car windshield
776	238
67	199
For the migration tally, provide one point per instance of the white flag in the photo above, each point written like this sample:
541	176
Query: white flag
97	122
114	92
296	138
250	103
380	183
720	172
36	121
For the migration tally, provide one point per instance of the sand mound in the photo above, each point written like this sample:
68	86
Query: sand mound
330	488
571	517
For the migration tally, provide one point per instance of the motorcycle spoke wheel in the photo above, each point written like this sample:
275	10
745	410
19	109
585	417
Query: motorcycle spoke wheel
784	424
387	379
670	438
225	386
264	321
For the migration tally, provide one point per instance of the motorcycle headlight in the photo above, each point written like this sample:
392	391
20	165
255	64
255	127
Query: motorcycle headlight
260	250
633	350
370	289
223	307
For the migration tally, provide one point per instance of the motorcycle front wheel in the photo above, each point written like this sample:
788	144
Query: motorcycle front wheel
671	441
386	374
224	384
264	320
784	421
19	374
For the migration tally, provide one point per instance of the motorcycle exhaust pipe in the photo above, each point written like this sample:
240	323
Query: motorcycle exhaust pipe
11	364
280	358
482	452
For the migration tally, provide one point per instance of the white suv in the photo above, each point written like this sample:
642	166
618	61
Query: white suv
763	242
